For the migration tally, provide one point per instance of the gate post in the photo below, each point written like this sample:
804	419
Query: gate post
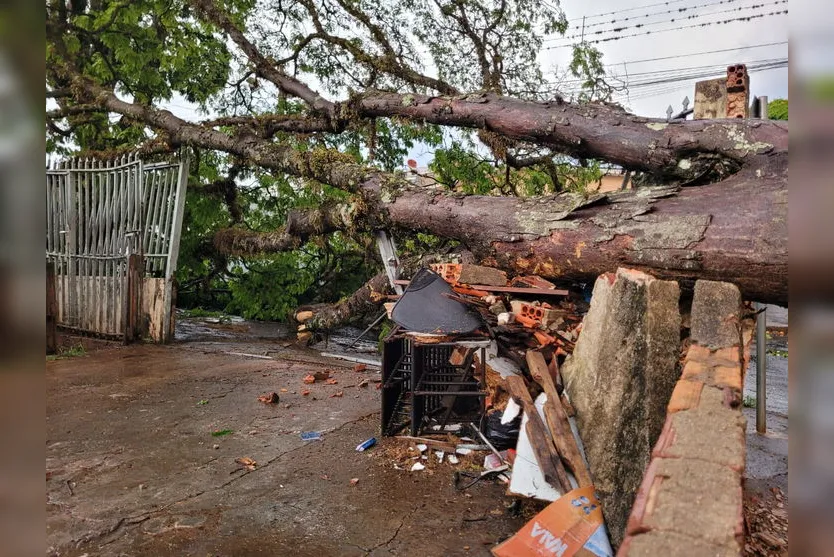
133	304
51	309
173	251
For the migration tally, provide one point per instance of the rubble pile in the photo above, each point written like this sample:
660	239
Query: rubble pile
479	354
766	522
521	313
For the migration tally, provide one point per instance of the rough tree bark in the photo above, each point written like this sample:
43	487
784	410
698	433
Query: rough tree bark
721	215
363	301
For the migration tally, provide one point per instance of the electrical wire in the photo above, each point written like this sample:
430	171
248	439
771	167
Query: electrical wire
680	72
661	84
670	2
632	62
610	32
744	19
653	14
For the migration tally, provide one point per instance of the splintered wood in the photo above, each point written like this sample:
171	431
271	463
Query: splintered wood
557	420
546	453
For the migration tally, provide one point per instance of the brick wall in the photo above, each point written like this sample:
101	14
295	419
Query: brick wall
690	500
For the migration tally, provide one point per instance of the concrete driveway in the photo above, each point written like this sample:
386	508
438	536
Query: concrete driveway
133	467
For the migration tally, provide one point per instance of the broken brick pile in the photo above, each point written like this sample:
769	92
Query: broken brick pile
690	501
510	307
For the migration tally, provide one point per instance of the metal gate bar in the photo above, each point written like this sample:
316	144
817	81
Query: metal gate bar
99	213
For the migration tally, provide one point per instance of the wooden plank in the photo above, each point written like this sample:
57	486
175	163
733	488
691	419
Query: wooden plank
527	479
507	289
133	305
557	420
546	454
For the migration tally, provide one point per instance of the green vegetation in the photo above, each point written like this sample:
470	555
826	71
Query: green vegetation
749	401
71	352
221	432
159	51
777	109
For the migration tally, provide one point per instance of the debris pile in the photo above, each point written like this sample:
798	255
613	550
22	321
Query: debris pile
477	354
766	522
521	313
462	330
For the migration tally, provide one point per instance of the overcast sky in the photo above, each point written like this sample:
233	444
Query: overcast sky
653	100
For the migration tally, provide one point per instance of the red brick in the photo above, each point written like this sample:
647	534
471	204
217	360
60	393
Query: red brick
695	371
727	377
698	353
687	394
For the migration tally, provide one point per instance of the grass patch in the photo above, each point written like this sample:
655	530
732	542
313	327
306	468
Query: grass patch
63	353
221	432
749	401
202	402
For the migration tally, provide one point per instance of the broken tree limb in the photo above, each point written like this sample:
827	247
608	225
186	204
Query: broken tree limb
732	229
363	301
557	420
546	454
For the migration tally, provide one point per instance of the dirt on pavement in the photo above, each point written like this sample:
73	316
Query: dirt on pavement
133	467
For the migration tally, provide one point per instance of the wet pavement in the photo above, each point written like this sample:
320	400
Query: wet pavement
133	467
767	455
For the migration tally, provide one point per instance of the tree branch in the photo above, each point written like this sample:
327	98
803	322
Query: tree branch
302	224
263	66
363	301
270	124
388	64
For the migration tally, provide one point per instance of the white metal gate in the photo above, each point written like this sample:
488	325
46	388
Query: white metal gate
99	213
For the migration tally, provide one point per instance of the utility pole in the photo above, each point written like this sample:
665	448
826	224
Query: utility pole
582	38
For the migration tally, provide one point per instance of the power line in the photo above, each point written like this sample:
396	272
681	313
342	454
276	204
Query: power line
697	53
615	30
592	16
705	24
682	75
652	14
703	74
681	71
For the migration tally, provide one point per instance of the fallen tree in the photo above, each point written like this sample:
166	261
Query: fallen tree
713	204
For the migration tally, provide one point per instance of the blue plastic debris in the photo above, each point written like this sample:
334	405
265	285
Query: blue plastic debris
364	445
311	436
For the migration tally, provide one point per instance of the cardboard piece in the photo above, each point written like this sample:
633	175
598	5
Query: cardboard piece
571	524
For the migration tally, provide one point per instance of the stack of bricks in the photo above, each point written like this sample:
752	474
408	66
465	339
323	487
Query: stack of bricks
449	271
690	501
738	91
534	316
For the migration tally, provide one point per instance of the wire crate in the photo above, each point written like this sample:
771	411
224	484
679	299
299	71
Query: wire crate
422	389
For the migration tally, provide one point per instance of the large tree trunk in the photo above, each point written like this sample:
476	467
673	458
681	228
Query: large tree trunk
733	231
726	219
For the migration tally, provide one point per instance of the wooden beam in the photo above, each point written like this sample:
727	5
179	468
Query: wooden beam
557	420
507	289
546	454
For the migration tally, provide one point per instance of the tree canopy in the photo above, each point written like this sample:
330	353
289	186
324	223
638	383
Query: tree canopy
310	106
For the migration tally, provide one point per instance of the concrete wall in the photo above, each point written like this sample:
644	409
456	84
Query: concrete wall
690	501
